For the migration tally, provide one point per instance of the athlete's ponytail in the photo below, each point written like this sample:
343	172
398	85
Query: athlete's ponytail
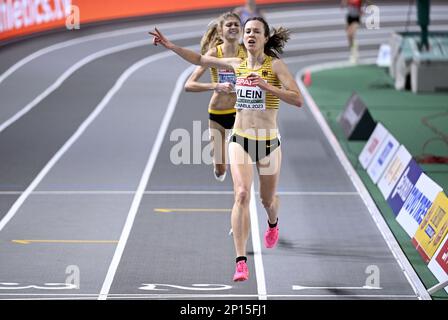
276	40
212	37
276	43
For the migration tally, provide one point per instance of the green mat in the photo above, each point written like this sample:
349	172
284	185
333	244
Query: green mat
418	121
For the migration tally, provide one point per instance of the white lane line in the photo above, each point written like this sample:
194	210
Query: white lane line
337	64
361	33
340	22
123	32
337	11
256	246
342	43
317	193
334	56
105	52
98	109
202	296
115	192
439	13
142	184
91	57
313	296
182	24
99	36
189	192
79	65
389	238
299	288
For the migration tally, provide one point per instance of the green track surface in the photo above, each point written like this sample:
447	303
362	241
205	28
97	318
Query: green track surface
401	112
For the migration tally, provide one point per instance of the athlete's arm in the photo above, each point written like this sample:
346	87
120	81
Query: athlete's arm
289	93
194	57
193	84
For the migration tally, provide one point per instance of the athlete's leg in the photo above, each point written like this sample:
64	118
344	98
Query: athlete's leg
242	175
352	41
352	32
269	173
218	138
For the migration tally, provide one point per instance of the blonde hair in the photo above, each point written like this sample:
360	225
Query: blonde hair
212	36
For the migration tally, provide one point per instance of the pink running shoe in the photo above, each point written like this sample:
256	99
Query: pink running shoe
271	237
241	271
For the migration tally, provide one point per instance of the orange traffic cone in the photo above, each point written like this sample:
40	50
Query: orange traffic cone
307	78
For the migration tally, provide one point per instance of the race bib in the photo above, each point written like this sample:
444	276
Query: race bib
249	96
226	76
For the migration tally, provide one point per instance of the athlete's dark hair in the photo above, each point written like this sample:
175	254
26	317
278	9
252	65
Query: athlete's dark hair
277	40
212	37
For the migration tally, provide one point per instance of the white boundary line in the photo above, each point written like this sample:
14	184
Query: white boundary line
361	33
338	11
398	254
142	184
336	296
111	50
336	44
199	296
340	22
104	35
334	56
122	32
189	192
99	36
98	109
24	192
256	246
67	73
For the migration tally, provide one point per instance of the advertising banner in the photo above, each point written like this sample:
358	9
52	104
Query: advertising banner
439	262
433	229
373	144
393	171
417	203
404	186
382	158
18	17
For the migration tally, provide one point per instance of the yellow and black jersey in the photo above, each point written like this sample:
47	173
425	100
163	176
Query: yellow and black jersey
251	97
224	75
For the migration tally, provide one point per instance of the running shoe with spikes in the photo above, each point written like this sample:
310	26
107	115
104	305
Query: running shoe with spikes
271	237
241	271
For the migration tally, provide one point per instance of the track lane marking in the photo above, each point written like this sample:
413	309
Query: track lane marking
142	184
281	15
201	296
408	271
256	246
98	109
173	192
78	65
99	36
